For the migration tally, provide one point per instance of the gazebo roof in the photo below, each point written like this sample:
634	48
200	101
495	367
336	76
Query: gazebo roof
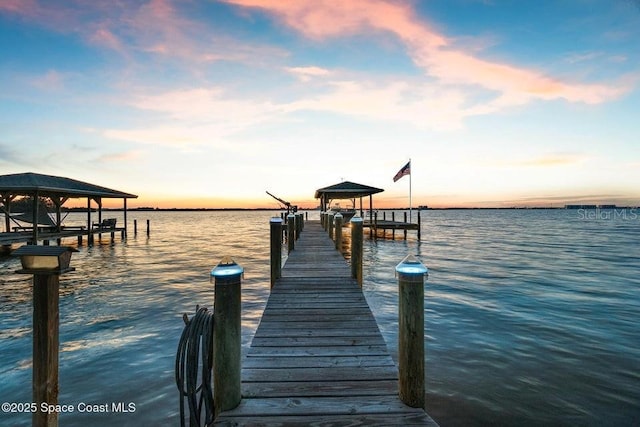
346	190
24	184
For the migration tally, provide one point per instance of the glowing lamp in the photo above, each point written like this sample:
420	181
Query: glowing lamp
226	269
44	259
410	266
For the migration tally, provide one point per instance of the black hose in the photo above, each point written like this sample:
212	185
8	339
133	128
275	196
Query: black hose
194	360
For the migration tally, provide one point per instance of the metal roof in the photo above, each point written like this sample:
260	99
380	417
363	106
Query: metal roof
346	190
24	184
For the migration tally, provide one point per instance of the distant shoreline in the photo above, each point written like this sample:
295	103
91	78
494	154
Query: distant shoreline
233	209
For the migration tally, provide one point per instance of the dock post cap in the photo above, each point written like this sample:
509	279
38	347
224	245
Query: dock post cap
44	259
226	268
356	218
275	219
410	265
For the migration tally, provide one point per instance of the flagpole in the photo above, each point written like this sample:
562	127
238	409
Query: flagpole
410	211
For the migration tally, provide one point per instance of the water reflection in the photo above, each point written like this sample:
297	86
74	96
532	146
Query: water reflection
530	316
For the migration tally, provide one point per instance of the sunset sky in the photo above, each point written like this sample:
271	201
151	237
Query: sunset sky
210	103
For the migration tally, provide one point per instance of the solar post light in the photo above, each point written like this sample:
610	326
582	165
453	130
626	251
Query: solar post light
46	263
411	384
227	276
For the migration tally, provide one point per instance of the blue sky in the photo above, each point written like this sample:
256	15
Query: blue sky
210	103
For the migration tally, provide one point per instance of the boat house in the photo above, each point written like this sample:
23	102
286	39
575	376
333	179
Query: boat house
59	190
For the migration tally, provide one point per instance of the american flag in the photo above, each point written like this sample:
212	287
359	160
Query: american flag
406	170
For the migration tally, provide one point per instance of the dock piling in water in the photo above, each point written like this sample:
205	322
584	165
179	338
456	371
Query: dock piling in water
411	275
338	232
226	335
275	226
330	224
291	219
357	241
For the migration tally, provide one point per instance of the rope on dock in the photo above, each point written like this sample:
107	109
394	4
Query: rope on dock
194	360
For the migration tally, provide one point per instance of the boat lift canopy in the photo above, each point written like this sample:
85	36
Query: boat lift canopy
346	190
59	190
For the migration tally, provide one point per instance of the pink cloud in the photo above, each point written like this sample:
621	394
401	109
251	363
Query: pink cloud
430	50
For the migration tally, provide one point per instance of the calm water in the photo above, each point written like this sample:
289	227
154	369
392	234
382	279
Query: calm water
530	315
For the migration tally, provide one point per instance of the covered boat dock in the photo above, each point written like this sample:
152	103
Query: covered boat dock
58	190
348	190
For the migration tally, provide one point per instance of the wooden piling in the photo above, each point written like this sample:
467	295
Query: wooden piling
299	225
227	337
330	225
411	382
338	232
393	232
135	227
375	224
405	230
276	248
148	227
356	249
46	323
290	232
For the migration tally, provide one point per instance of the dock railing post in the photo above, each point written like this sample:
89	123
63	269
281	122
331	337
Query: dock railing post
375	224
356	249
338	223
227	276
411	383
291	222
405	230
275	226
299	226
330	224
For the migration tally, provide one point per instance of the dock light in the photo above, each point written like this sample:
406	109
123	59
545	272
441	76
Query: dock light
46	263
44	259
226	269
411	266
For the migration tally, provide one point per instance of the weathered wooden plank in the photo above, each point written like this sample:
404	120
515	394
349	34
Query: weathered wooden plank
319	361
320	374
319	351
333	332
408	419
320	406
315	323
320	388
368	340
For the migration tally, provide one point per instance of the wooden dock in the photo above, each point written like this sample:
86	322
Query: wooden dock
46	237
376	224
318	357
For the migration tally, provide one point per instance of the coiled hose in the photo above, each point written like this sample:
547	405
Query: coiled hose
194	360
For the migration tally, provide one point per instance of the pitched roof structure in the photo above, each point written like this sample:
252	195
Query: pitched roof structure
346	190
24	184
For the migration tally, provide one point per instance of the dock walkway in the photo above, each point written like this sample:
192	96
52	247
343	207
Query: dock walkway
318	357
